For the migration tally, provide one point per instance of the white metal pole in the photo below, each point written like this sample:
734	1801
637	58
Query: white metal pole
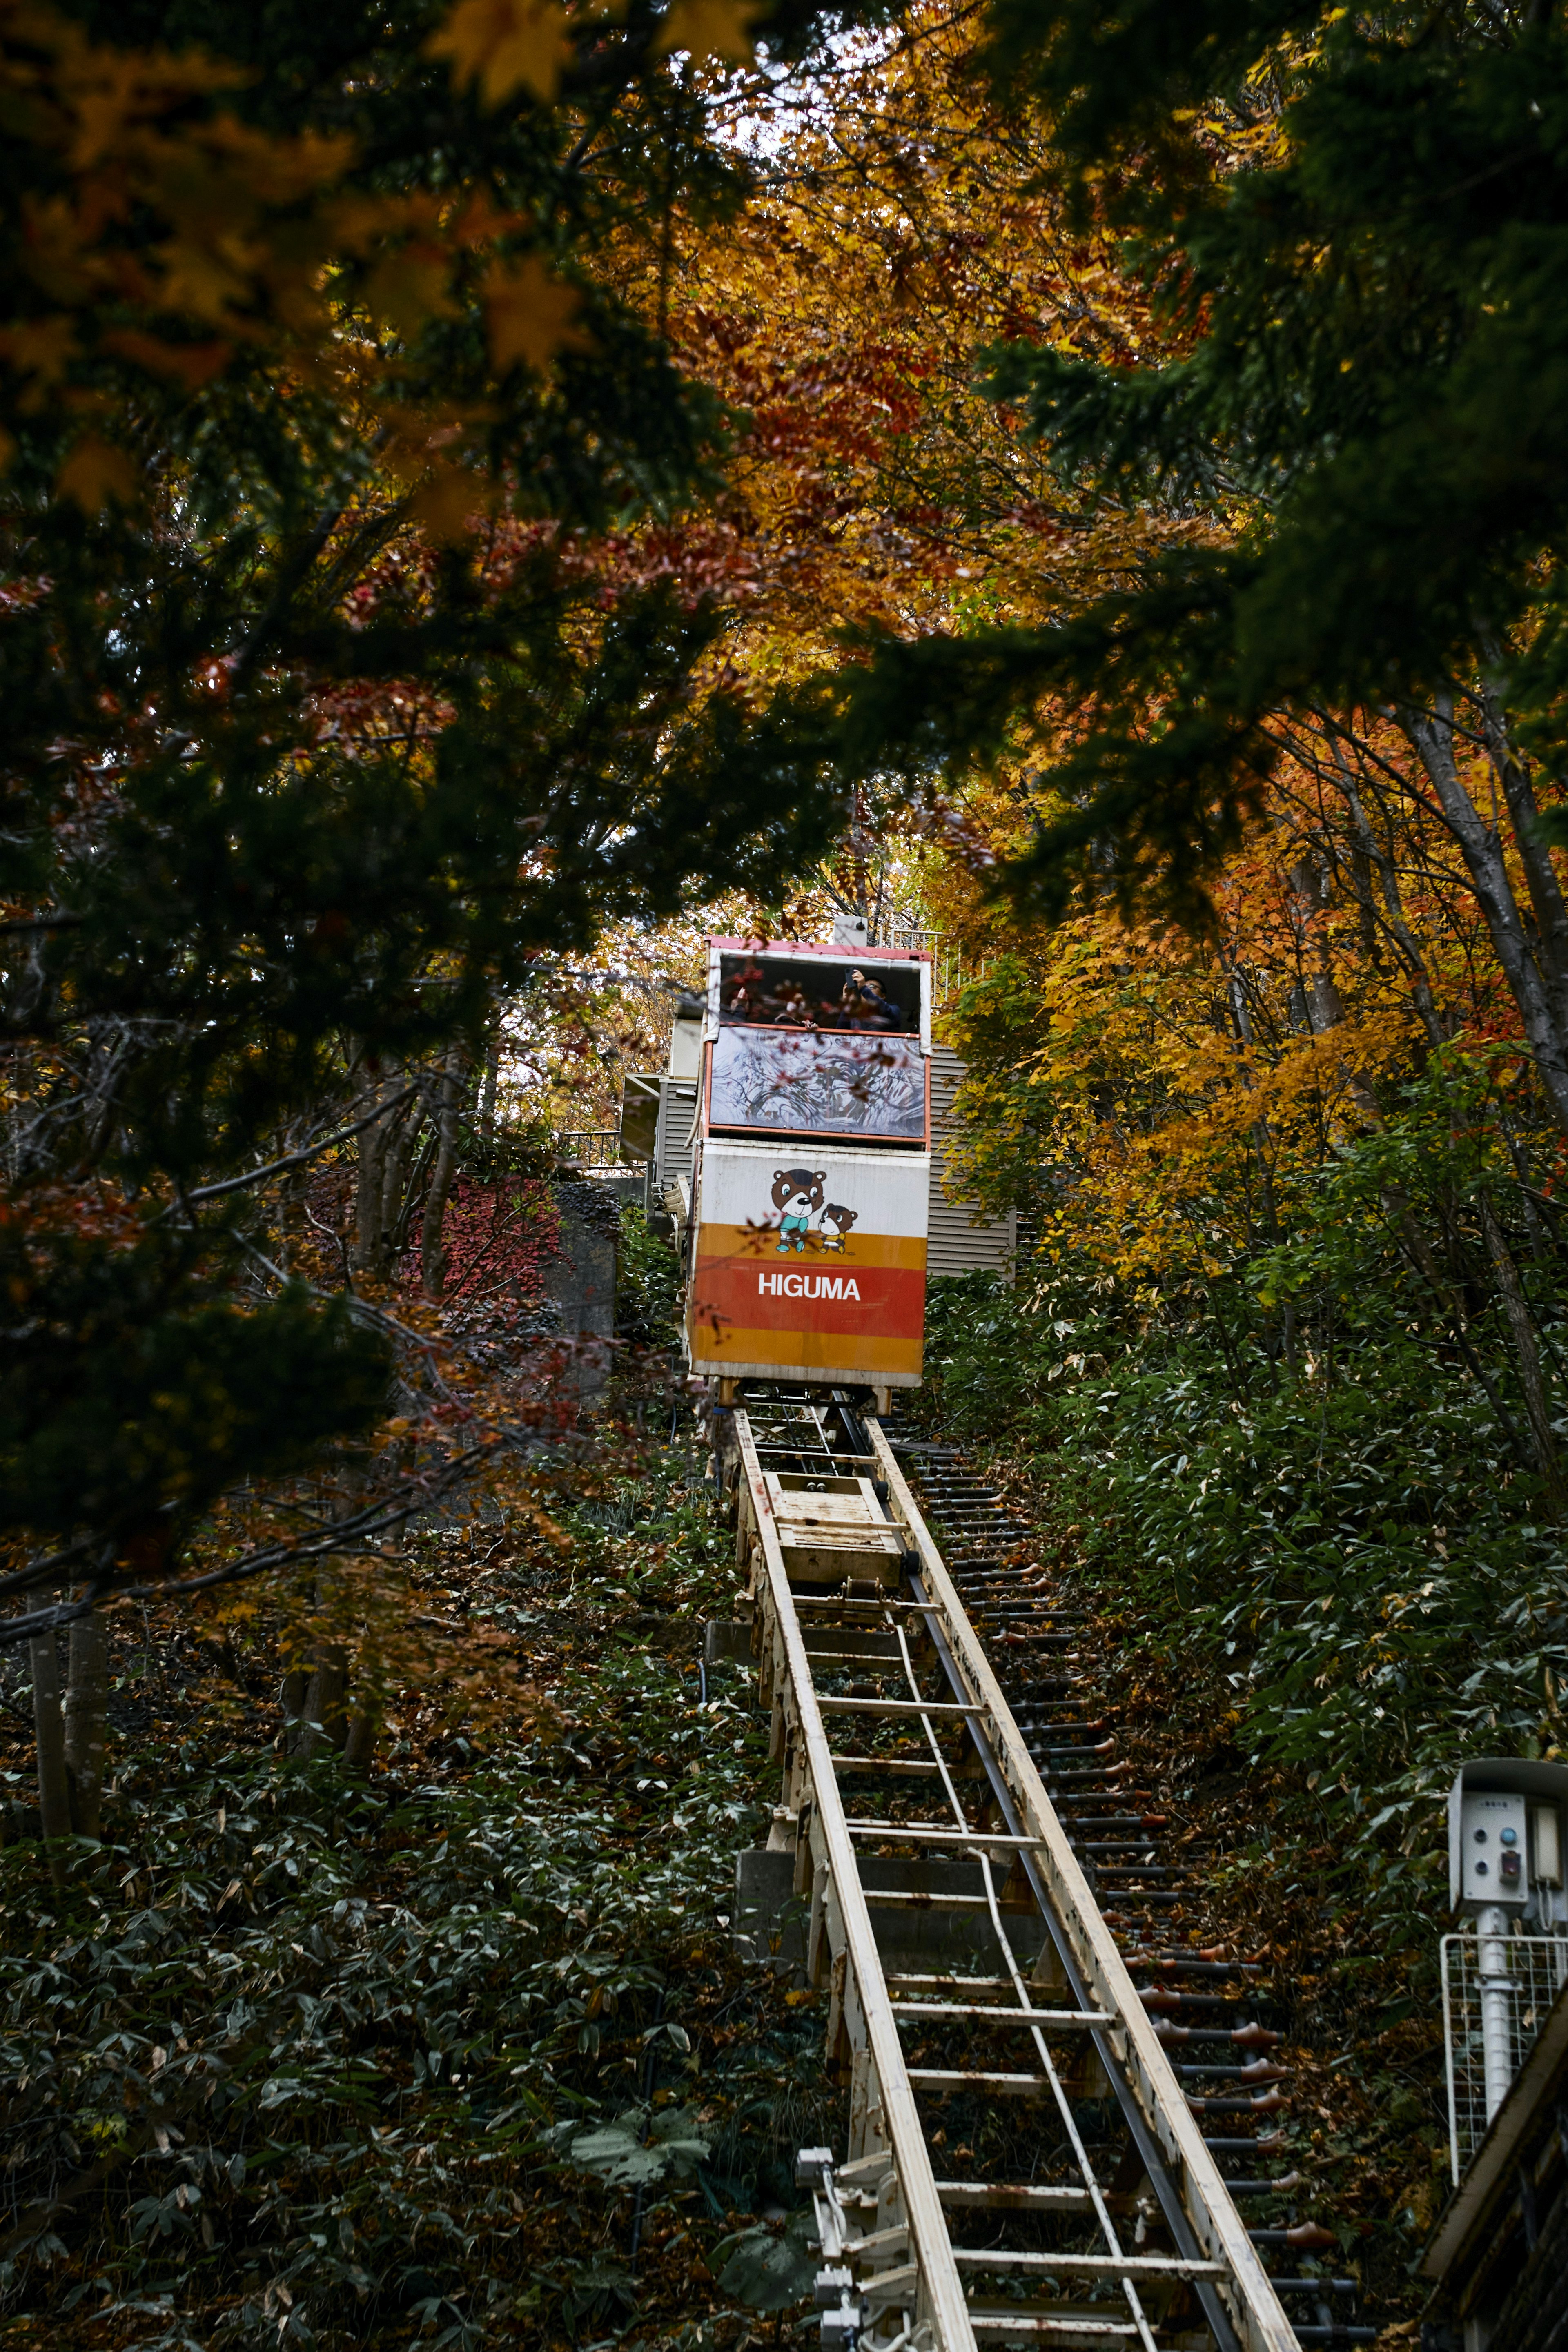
1497	2005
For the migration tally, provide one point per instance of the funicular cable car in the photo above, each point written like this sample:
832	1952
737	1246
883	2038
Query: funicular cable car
812	1168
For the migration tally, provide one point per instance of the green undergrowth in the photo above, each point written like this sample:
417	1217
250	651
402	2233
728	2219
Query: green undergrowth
648	1285
416	2061
1353	1563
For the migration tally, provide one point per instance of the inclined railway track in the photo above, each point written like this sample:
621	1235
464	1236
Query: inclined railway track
979	1891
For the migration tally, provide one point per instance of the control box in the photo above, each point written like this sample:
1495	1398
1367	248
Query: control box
1506	1819
1493	1849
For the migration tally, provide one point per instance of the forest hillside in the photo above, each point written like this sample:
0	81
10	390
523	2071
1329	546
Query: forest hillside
493	492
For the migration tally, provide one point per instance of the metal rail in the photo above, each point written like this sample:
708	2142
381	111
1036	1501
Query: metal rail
1035	1634
589	1147
986	1953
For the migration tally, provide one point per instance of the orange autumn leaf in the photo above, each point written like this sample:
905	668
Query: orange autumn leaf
410	287
40	347
711	28
444	504
529	314
505	46
95	472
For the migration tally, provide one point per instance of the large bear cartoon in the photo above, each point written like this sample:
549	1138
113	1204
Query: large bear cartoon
799	1192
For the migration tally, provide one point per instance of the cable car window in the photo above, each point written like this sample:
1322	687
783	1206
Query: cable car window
804	1082
866	998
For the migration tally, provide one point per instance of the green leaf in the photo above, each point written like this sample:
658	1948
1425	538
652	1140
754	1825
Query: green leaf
616	2153
767	2273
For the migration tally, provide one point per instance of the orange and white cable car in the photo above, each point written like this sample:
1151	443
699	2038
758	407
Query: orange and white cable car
811	1174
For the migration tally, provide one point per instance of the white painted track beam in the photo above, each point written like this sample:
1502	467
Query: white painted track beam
941	2302
1241	2281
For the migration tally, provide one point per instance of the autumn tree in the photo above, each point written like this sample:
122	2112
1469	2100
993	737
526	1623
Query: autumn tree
1350	230
337	705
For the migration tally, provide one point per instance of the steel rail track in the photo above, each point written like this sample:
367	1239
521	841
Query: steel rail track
896	1739
1141	1880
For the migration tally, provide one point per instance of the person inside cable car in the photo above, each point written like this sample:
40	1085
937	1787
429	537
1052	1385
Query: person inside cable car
747	1001
795	1008
864	1004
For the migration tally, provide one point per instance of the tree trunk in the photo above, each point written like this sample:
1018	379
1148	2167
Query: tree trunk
1536	1403
1437	759
1419	1252
1262	1144
1541	1241
1546	899
1321	998
360	1745
49	1724
87	1722
402	1142
325	1725
1396	921
432	1251
1323	1004
295	1691
368	1194
291	1215
1481	846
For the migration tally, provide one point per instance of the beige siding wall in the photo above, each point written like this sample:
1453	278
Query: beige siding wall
954	1245
677	1119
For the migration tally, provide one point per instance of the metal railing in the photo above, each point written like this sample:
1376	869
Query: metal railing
590	1147
948	972
1519	1976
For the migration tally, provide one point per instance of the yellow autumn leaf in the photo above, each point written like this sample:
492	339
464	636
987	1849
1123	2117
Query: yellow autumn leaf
711	28
277	171
40	348
103	115
201	280
444	505
529	314
505	46
408	287
94	473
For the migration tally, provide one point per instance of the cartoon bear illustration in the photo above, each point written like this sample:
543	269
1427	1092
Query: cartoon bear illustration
798	1191
840	1220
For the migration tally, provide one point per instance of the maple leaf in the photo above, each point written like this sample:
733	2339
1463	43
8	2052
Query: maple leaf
409	288
39	347
711	28
94	473
193	364
444	504
530	314
200	279
505	46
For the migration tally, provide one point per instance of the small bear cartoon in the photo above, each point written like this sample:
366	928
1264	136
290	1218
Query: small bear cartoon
798	1191
841	1220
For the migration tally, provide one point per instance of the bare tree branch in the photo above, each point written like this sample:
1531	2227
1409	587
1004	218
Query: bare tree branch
294	1160
374	1519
